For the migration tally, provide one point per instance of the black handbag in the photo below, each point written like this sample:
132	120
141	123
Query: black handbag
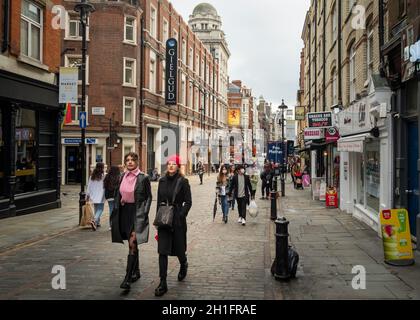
165	214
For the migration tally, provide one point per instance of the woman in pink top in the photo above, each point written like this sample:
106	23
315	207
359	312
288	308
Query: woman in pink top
130	217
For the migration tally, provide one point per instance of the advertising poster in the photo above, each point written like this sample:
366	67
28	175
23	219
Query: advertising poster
299	113
320	119
69	78
396	237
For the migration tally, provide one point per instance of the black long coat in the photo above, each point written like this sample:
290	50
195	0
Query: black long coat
173	242
143	199
248	187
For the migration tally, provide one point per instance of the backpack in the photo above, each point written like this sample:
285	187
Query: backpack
293	260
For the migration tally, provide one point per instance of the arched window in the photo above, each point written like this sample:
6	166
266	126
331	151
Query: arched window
334	87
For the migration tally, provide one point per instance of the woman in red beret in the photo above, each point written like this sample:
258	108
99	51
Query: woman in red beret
173	242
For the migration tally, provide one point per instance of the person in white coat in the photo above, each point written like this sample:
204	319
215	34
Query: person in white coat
96	193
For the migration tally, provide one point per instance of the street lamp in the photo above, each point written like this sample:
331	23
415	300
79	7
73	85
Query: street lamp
84	8
283	107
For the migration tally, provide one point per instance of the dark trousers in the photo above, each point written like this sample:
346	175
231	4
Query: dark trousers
242	207
253	192
163	264
201	178
265	189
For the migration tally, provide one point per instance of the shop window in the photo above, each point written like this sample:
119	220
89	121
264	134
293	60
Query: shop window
99	154
372	175
25	149
2	160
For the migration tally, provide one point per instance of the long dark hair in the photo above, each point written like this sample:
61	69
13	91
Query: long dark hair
112	178
98	172
222	177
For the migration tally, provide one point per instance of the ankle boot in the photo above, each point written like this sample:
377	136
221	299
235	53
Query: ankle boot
162	288
183	271
136	270
131	259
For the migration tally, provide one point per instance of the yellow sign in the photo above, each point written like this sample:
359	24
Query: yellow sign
396	235
234	117
299	113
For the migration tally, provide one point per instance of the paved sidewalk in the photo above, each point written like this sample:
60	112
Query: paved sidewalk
330	242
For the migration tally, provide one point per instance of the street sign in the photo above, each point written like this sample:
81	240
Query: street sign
82	119
98	111
74	141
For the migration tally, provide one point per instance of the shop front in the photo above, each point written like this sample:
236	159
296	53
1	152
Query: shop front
29	146
365	150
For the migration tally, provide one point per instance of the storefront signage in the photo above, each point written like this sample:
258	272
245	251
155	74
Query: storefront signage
171	71
355	119
299	113
234	117
320	120
78	140
69	78
350	146
396	235
98	111
313	134
331	134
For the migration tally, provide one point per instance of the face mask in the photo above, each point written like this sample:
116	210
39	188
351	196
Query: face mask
242	171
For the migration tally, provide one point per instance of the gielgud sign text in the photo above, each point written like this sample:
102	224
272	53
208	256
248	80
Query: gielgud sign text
320	119
171	71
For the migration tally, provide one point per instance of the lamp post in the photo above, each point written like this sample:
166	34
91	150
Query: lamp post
110	145
84	8
283	107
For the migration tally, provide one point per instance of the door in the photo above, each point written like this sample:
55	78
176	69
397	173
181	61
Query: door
73	167
150	150
413	182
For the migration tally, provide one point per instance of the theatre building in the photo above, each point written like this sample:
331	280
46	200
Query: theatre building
29	109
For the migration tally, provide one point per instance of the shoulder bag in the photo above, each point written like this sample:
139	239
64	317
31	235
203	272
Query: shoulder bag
165	214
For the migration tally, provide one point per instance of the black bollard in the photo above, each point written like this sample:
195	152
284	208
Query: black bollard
282	271
273	196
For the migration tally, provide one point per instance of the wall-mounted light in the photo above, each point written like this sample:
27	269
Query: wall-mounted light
325	153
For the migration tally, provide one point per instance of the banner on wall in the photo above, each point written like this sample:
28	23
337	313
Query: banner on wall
234	117
396	237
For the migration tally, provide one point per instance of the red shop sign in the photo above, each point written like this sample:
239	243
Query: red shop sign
331	198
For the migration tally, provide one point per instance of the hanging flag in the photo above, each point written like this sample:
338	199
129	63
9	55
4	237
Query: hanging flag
67	115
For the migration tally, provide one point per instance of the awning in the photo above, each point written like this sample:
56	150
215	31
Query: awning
352	143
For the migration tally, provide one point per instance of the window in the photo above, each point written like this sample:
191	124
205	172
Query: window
129	111
184	52
165	31
127	150
153	21
197	63
334	23
183	90
334	97
129	72
175	35
190	95
152	79
99	154
369	177
202	69
75	61
190	59
130	30
31	30
196	97
369	53
352	74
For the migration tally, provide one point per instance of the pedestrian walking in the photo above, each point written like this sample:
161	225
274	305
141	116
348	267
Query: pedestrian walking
266	181
254	177
130	217
111	183
242	189
223	190
96	193
173	241
231	198
200	171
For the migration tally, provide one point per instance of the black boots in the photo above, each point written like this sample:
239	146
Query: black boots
183	271
131	261
162	288
135	275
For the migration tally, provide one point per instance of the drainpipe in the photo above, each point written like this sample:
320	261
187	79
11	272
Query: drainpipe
339	73
6	22
324	100
142	60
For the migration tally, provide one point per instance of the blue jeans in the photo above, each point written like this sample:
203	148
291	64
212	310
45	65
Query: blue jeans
225	205
111	208
99	209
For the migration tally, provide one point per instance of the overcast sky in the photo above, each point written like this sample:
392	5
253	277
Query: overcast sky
264	38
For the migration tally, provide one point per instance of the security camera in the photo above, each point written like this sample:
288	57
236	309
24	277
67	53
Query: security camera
396	115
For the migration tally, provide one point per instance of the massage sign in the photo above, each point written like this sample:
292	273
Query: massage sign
320	120
171	71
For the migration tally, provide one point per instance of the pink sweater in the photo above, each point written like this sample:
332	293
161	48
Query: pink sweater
128	185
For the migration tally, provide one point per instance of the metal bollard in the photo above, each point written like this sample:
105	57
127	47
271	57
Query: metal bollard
282	250
273	196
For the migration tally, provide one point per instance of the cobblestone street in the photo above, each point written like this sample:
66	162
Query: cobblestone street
226	262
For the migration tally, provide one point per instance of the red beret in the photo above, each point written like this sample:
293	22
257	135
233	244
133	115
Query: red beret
176	159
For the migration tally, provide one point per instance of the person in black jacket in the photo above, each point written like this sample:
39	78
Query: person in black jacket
242	189
266	179
173	242
130	217
111	184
